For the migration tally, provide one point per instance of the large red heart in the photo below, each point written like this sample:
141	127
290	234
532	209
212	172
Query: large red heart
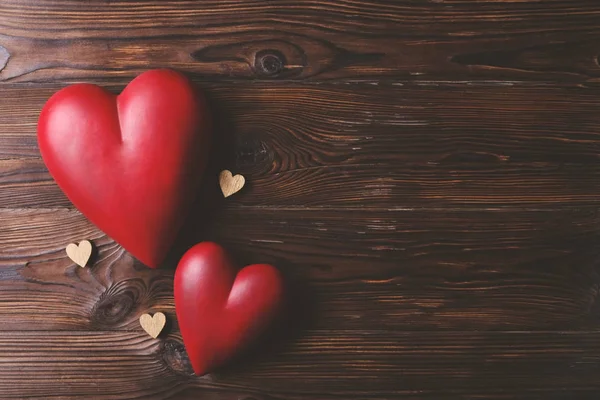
130	163
219	312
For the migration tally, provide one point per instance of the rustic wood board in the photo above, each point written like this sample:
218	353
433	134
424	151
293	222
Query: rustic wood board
424	173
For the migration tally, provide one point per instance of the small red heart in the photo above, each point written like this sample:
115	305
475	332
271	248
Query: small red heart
130	163
219	312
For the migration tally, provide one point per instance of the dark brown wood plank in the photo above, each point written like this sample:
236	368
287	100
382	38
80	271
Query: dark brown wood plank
48	40
338	124
432	269
367	364
383	147
26	183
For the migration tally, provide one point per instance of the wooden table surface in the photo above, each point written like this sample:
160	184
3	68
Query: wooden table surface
425	173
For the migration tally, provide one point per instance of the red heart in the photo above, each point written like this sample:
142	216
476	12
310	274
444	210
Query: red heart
130	163
220	313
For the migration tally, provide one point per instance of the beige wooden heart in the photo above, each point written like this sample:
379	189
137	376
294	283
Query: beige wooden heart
81	253
230	184
153	325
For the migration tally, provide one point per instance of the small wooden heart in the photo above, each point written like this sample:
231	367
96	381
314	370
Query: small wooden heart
81	253
153	325
230	184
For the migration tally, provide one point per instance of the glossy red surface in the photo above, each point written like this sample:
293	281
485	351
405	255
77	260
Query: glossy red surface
130	163
220	311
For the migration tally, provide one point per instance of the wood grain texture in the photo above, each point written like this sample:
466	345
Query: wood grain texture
283	127
424	174
390	146
427	269
388	365
26	183
43	40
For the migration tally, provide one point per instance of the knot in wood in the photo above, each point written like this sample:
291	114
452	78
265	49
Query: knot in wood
4	57
115	305
175	357
251	150
269	62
